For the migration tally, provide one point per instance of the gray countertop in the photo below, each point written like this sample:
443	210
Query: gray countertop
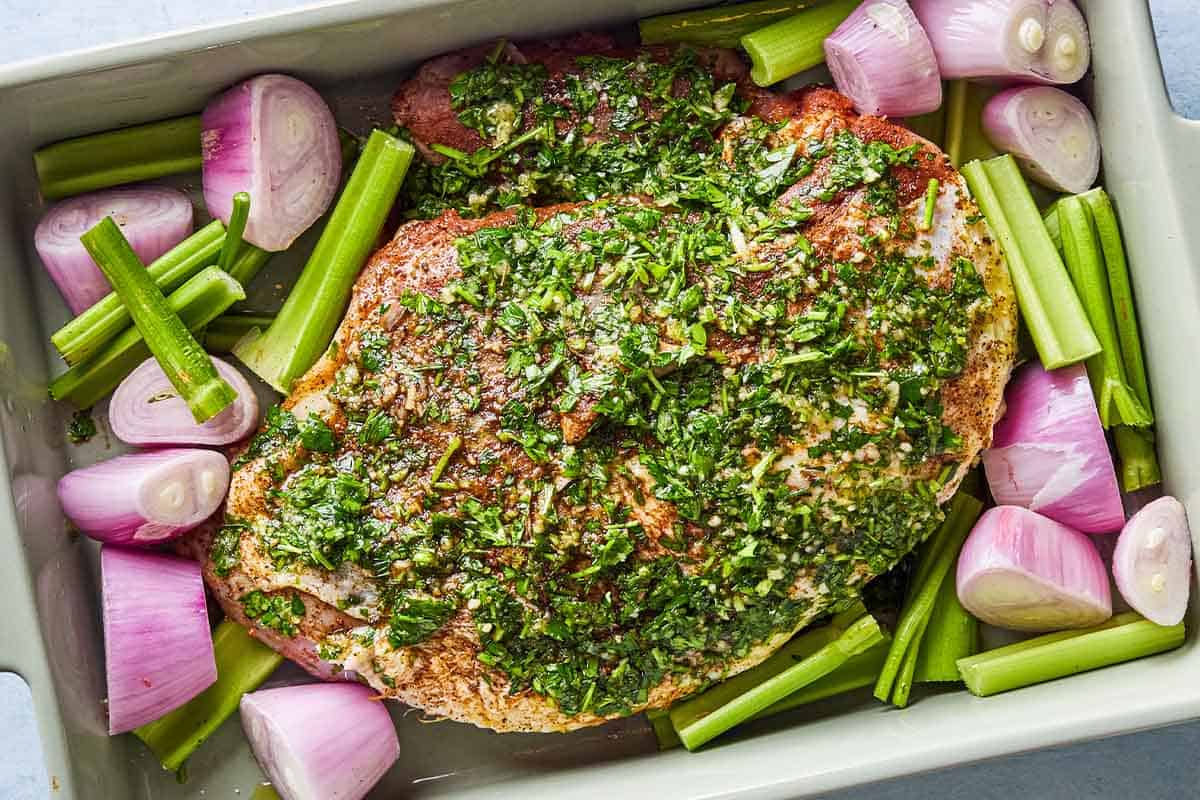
1153	765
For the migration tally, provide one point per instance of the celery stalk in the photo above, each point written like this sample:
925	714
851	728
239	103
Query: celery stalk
939	555
690	711
111	158
858	638
795	44
310	315
238	216
248	262
723	26
664	731
931	126
908	666
1051	309
265	792
197	303
951	634
1050	220
1057	655
184	361
243	663
1139	464
860	671
91	330
1115	400
964	139
224	332
1120	290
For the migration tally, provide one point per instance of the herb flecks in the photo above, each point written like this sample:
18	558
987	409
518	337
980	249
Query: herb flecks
623	436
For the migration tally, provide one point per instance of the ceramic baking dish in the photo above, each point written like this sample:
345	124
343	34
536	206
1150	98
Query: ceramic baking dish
355	52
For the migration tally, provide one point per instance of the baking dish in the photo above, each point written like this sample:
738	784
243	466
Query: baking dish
355	52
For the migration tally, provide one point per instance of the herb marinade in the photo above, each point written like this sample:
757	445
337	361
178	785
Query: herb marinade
638	437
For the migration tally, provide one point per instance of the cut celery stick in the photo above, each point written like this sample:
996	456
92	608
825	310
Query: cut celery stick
204	297
94	328
100	160
1057	655
795	44
224	332
951	634
181	357
723	26
860	671
693	709
664	731
1050	220
1139	463
859	637
1051	309
931	126
249	262
310	315
233	234
964	138
243	663
1115	400
939	555
1120	290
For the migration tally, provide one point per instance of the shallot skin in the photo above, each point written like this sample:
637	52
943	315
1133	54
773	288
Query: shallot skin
1049	453
157	643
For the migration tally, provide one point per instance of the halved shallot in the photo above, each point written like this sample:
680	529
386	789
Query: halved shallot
881	59
1152	562
1026	572
153	218
1041	41
145	498
274	138
157	644
1049	453
320	741
1050	133
146	411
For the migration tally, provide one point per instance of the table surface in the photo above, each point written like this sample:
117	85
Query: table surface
1154	765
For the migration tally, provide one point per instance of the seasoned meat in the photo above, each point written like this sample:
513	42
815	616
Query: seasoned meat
566	463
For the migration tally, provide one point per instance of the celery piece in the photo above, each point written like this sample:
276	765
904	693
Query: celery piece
310	315
951	634
181	357
265	791
931	126
1051	309
1139	464
964	139
1050	220
908	666
100	160
857	638
85	335
249	261
1120	290
224	332
931	193
723	26
1115	400
233	233
204	297
1057	655
243	663
690	711
795	44
860	671
664	731
940	553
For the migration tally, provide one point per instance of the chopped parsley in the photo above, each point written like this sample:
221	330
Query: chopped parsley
280	612
507	439
82	427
